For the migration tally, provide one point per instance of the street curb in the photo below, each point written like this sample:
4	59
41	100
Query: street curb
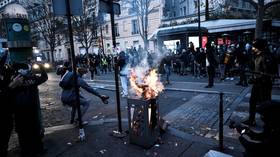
180	89
170	130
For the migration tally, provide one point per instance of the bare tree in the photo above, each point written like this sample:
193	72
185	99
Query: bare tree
85	26
261	6
45	23
142	8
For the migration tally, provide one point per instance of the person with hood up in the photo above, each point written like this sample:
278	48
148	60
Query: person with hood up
68	95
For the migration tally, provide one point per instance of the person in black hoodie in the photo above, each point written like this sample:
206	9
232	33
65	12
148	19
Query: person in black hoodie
24	96
242	59
211	64
6	115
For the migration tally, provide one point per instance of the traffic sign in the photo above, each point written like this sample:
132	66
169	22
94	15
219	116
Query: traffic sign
59	7
104	7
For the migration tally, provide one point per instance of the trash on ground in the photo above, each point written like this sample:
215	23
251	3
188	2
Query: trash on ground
94	117
102	151
231	147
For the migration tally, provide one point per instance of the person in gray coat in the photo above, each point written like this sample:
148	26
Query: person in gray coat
68	96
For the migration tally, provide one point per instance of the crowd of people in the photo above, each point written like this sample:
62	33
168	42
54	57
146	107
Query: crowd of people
223	61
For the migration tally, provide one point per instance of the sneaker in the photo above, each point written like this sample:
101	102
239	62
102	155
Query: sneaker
104	99
124	95
85	123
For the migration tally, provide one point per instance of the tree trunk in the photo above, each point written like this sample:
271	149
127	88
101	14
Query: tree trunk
206	10
48	56
146	42
52	55
259	19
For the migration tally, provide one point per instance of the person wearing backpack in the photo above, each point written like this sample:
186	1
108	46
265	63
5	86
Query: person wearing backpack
68	96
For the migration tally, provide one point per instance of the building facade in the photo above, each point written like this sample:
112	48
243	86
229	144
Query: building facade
127	26
180	19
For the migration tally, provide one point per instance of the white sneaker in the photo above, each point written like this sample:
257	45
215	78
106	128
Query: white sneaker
85	122
124	95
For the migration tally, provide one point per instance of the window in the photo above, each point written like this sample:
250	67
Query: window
243	4
58	39
106	29
133	8
124	26
185	11
134	27
117	29
173	3
181	11
126	44
134	4
135	43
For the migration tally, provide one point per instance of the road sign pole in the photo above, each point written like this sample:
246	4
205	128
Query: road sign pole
116	66
74	68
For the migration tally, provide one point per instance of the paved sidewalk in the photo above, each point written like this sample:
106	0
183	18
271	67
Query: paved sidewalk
99	142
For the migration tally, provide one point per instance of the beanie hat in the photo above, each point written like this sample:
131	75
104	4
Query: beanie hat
260	44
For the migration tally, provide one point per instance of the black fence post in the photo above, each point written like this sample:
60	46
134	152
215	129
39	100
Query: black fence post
221	122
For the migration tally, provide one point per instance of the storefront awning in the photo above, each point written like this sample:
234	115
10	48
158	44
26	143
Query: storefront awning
213	26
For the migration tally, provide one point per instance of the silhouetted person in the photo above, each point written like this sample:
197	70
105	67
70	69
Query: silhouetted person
211	64
262	83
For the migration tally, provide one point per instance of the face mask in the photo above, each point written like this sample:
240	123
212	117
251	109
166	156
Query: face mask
25	72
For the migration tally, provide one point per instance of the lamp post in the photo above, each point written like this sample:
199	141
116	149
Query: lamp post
199	29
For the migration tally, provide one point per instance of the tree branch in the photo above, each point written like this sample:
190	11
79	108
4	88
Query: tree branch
253	3
270	4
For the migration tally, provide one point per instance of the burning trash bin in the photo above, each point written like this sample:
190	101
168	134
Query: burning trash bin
143	109
143	121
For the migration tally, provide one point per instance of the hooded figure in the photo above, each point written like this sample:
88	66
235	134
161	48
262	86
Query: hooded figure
211	64
24	97
68	95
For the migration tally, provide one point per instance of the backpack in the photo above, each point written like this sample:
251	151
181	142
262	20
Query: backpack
66	82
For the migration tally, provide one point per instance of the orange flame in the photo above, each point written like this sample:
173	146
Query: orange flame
149	87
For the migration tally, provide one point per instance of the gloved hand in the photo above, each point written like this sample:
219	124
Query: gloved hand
104	99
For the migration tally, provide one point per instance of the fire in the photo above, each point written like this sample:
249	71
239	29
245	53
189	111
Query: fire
147	85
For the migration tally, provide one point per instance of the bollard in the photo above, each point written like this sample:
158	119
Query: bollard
118	95
221	122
